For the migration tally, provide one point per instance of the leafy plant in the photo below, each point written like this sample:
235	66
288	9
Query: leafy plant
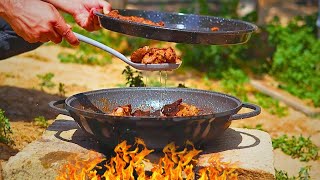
271	105
5	129
234	81
303	174
62	91
133	78
297	147
41	121
296	59
46	81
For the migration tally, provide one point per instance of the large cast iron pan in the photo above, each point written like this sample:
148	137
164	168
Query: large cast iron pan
181	28
90	110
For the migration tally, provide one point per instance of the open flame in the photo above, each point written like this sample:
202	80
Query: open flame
130	163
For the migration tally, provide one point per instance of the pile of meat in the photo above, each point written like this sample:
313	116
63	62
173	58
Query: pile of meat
115	14
176	109
147	55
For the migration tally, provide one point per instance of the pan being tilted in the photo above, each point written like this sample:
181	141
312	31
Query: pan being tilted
181	28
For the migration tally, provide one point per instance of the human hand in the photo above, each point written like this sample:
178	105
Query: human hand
36	21
82	11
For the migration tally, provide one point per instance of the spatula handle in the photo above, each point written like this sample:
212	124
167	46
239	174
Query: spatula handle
103	47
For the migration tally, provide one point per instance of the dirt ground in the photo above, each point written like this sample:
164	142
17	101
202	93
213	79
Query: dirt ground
23	100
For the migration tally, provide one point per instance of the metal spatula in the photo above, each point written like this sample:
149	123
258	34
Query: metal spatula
139	66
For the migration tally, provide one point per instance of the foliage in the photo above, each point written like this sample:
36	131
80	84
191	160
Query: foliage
303	174
233	82
296	61
80	57
62	91
271	105
297	147
46	81
41	121
5	129
154	83
213	60
258	127
133	78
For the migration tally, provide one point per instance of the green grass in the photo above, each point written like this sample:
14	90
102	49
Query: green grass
271	105
61	89
303	174
46	80
5	129
233	82
41	121
297	147
258	127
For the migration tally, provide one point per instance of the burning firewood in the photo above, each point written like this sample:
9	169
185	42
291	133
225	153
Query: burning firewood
129	164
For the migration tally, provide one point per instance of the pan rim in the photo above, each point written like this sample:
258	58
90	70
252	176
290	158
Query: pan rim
252	26
228	112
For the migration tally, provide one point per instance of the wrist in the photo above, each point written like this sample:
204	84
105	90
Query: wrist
3	7
9	6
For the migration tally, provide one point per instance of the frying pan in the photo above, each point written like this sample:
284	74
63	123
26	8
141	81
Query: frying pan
181	28
90	110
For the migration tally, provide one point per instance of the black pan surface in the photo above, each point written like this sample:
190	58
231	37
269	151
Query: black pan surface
181	28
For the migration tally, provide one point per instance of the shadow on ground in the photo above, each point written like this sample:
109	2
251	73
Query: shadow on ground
22	104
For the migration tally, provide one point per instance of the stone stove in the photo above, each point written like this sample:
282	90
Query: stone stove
250	149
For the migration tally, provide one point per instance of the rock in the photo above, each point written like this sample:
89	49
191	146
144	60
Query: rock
251	151
63	140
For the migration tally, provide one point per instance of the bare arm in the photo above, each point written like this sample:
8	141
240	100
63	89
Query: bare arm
82	11
36	21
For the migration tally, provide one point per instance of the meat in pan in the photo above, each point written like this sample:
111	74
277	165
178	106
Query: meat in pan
176	109
116	14
122	110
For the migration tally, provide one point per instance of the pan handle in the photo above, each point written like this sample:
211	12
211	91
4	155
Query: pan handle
53	105
256	110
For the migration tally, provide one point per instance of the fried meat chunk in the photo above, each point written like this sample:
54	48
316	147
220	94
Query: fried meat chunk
122	110
139	113
138	55
187	110
178	108
147	55
215	29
